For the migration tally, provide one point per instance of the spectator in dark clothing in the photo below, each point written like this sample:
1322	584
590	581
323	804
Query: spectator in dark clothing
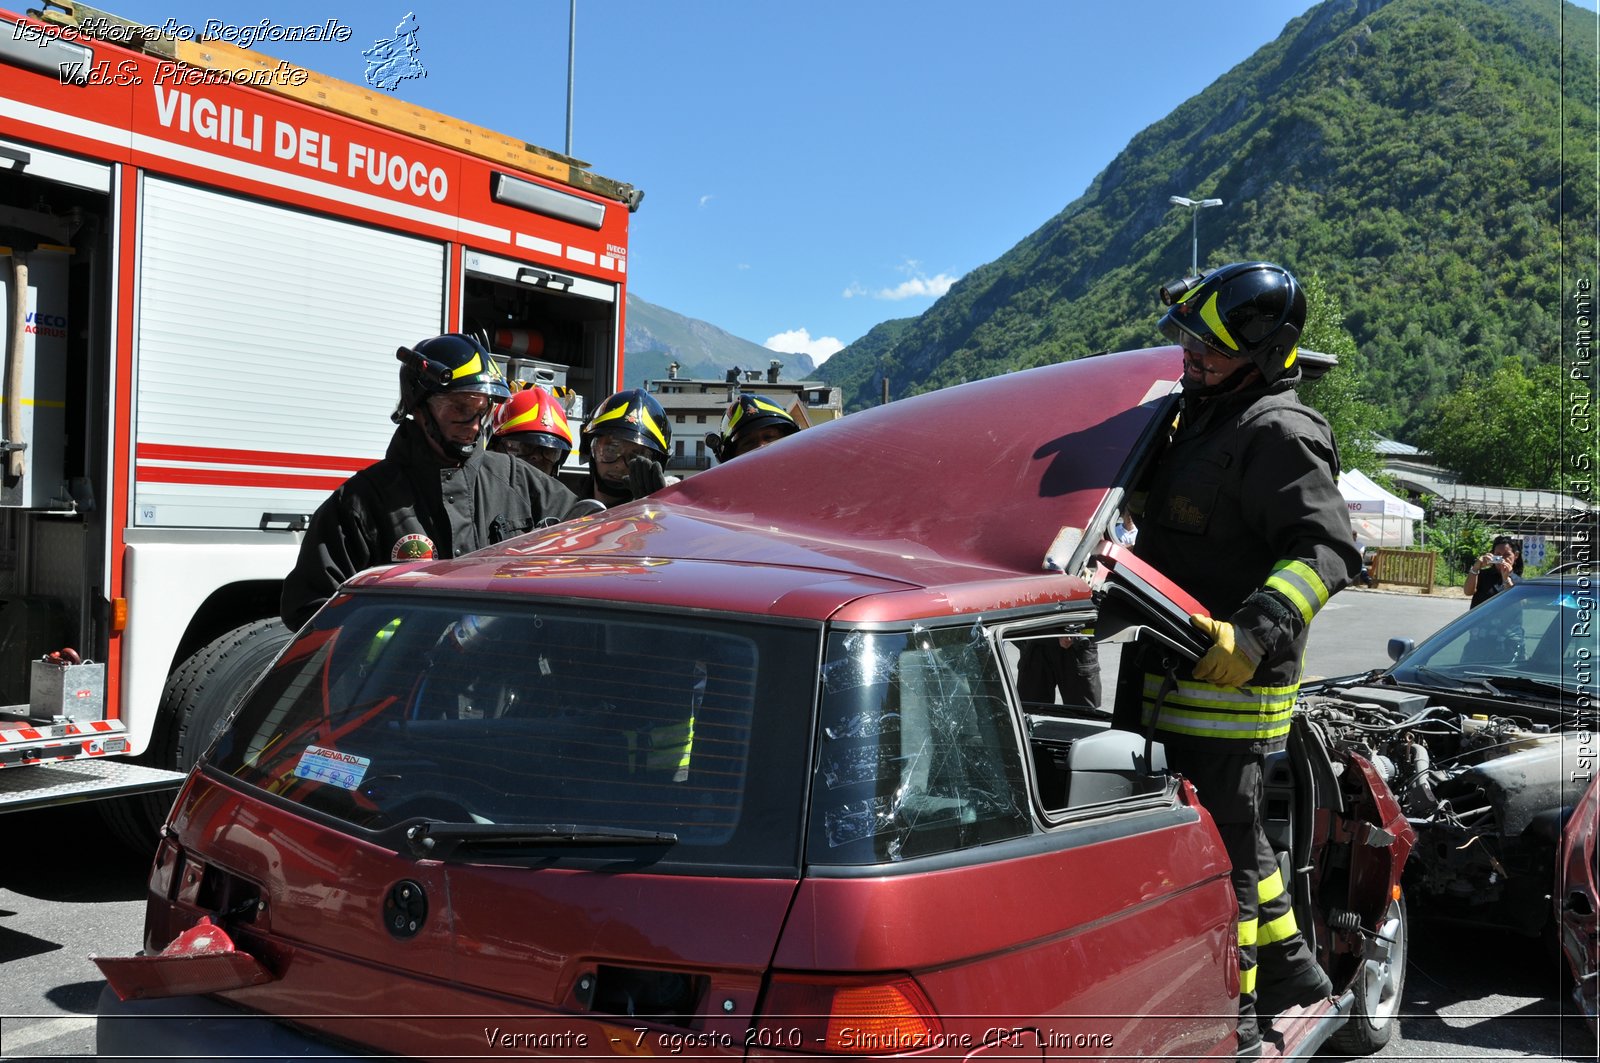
1492	573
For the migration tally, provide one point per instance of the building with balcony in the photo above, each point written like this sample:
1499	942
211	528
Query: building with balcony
695	407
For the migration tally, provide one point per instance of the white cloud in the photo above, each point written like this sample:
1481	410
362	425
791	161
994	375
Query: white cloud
799	341
706	199
917	285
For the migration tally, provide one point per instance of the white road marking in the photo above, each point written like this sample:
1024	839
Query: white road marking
18	1038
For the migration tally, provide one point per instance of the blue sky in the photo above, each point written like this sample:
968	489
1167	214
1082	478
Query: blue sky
810	168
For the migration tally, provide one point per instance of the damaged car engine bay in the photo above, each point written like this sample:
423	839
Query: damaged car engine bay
1485	793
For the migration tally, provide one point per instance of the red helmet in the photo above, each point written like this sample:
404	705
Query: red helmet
537	416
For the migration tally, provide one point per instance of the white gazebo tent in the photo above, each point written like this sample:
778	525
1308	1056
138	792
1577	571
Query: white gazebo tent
1377	517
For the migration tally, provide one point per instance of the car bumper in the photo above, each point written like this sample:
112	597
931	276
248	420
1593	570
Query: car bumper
197	1028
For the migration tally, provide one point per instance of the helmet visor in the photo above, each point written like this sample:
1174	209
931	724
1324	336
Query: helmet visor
1193	344
610	448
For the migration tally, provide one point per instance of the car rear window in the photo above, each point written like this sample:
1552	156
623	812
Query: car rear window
918	752
388	710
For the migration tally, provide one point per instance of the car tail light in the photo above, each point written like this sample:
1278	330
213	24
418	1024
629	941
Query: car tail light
878	1016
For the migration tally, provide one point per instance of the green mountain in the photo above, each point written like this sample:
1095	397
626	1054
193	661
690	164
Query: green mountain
1429	160
653	337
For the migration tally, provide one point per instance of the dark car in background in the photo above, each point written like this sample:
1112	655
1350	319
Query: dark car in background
1485	732
740	770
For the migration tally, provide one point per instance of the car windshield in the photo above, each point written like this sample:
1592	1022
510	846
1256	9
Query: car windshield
1534	641
919	753
558	724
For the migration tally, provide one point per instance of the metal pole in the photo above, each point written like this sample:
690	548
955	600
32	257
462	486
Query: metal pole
1194	218
572	54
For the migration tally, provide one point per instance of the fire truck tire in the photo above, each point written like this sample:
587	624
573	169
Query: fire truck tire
200	694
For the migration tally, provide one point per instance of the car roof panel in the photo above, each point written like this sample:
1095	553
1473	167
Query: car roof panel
958	492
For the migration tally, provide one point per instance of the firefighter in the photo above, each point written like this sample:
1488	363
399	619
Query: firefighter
626	444
752	422
532	425
1243	511
437	492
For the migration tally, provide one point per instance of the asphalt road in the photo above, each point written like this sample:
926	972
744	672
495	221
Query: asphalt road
1351	634
68	891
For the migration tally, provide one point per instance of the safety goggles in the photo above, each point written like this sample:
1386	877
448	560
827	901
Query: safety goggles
1194	345
527	450
459	404
608	449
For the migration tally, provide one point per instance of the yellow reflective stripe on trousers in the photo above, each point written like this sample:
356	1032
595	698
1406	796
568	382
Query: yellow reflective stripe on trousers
1270	888
1247	980
1206	710
1247	932
1278	929
1299	582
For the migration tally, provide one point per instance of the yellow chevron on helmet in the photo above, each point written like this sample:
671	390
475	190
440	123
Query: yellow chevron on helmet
632	415
1253	310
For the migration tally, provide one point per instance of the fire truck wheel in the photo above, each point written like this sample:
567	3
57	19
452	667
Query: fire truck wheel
198	697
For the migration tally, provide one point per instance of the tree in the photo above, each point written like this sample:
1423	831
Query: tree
1503	430
1340	395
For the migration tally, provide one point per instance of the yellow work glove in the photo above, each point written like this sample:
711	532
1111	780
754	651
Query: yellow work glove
1226	663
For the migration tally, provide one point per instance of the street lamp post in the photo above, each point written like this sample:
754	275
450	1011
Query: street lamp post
1195	206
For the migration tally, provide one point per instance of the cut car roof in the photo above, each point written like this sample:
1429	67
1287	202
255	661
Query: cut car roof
944	502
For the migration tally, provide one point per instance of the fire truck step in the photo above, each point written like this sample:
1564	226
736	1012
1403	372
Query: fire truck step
80	780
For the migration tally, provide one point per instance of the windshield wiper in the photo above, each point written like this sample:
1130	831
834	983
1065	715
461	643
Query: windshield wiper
1511	681
1440	680
438	840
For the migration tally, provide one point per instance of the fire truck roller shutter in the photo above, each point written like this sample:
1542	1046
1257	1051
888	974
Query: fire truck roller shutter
297	311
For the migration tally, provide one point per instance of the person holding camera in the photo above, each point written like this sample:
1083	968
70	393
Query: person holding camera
1493	572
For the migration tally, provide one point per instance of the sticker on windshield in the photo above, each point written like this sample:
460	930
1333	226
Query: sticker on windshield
330	766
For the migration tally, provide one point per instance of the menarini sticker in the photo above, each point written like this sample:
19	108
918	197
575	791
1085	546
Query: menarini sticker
344	770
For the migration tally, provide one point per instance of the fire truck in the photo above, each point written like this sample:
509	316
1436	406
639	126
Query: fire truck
209	258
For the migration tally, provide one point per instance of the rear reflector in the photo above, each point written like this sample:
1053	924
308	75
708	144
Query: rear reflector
203	959
866	1017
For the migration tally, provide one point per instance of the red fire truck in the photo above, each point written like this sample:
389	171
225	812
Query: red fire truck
209	258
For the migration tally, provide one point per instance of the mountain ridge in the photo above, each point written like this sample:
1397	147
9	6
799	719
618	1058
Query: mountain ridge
654	337
1407	152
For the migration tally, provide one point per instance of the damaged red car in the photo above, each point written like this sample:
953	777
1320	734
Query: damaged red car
741	770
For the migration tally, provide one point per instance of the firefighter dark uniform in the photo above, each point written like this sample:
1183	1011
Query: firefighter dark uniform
412	506
419	501
1243	511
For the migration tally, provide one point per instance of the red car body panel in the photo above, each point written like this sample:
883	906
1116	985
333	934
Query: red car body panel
1577	899
1089	934
498	941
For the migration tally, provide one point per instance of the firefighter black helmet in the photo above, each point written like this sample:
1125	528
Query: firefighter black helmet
1252	310
454	362
748	414
632	415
